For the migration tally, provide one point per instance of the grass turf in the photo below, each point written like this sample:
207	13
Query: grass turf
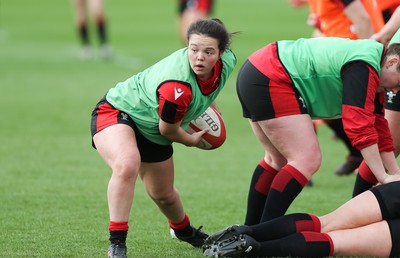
53	184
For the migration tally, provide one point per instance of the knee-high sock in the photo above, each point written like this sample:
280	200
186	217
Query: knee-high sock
259	188
285	225
304	244
285	187
365	179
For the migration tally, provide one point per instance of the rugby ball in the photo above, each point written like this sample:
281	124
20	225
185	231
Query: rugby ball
212	120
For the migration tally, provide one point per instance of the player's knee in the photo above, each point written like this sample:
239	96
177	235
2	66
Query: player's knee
163	198
126	171
311	162
277	162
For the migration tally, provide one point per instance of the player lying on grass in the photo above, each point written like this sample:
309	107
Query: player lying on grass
367	225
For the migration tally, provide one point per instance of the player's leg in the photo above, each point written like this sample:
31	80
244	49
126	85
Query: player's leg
272	229
286	132
191	11
263	175
302	244
82	26
97	10
295	139
370	240
361	210
116	145
365	179
158	179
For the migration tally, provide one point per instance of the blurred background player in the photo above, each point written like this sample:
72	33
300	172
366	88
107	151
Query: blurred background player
84	11
353	19
390	28
388	7
191	11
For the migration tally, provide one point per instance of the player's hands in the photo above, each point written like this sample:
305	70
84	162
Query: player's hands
391	178
197	137
381	37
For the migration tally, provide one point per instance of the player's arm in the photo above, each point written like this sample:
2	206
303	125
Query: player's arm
215	106
359	17
390	28
360	82
175	133
385	144
174	99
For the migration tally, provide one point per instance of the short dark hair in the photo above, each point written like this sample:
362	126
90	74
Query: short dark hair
394	49
213	28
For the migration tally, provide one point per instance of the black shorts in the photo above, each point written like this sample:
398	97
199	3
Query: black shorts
262	98
105	115
394	226
392	101
388	196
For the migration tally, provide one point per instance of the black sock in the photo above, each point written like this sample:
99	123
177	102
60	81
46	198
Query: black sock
84	34
361	185
184	232
259	188
287	184
365	179
101	30
118	236
306	244
284	226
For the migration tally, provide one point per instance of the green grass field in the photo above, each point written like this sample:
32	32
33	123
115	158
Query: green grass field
53	184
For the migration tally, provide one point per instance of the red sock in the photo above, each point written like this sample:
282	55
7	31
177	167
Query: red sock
312	224
118	231
365	173
260	185
264	181
180	225
118	226
287	184
320	244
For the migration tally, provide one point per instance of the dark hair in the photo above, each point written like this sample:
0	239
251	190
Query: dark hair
213	28
394	49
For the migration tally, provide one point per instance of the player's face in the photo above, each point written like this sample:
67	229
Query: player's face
390	76
203	53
